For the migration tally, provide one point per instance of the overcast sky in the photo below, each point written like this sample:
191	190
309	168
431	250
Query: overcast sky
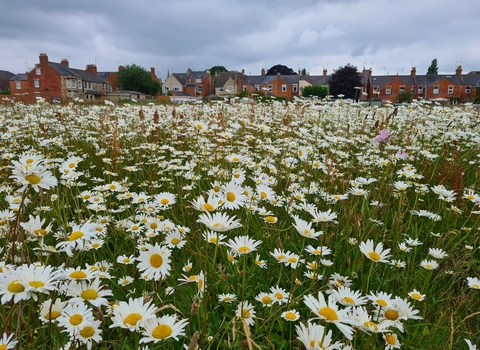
390	36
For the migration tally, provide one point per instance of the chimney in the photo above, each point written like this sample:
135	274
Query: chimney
413	72
299	71
279	74
64	62
189	71
263	72
152	71
43	59
459	70
91	68
324	72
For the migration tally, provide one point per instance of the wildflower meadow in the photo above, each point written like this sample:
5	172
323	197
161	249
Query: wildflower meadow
278	225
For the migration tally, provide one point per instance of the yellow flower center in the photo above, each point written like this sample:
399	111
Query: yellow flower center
162	331
271	219
33	179
281	257
89	294
52	315
391	339
175	241
76	319
216	188
71	165
348	300
213	239
78	274
374	256
87	332
391	315
29	161
370	324
15	287
328	313
40	232
135	227
208	207
245	313
132	319
156	260
264	194
381	302
36	284
231	197
266	300
112	187
153	225
235	159
290	316
75	235
279	295
416	296
243	249
164	201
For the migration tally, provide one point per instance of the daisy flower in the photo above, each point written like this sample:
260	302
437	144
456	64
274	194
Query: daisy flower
74	317
313	337
165	200
81	234
214	237
125	280
78	273
304	228
128	315
267	299
162	328
37	176
429	264
381	298
175	239
378	254
90	333
280	295
12	288
437	253
234	196
34	227
330	312
211	204
290	315
49	312
318	251
348	297
242	245
323	216
260	263
154	262
246	312
219	222
473	282
8	342
226	298
88	291
415	294
391	341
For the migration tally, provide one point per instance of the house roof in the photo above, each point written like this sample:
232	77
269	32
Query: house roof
316	79
6	74
19	77
223	77
432	79
63	69
105	75
89	76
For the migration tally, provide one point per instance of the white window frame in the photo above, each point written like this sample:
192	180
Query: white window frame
376	89
467	89
284	87
295	88
38	71
18	85
388	90
230	88
36	83
244	87
402	88
198	80
436	89
256	87
165	88
270	87
175	88
200	88
420	89
450	89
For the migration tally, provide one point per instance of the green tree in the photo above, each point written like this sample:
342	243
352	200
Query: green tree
344	81
404	97
433	69
217	69
303	71
315	90
136	78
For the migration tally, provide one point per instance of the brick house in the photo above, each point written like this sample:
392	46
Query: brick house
193	83
58	82
278	85
19	87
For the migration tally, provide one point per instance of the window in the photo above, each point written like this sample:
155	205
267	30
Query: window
230	88
467	89
376	89
420	89
37	94
450	89
257	87
38	71
74	84
220	89
270	87
200	88
402	88
244	87
284	88
165	88
388	90
436	89
199	80
18	85
175	88
295	88
36	83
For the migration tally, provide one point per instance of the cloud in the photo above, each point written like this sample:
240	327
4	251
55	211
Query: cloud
308	37
330	32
